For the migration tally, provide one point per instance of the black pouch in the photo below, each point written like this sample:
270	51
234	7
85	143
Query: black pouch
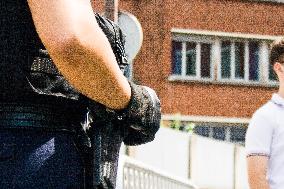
45	78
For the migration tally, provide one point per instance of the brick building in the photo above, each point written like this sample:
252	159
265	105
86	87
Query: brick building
207	59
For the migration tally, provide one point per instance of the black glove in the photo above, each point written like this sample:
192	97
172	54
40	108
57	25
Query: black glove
139	121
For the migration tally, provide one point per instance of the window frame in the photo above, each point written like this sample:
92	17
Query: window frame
272	1
215	39
233	77
198	41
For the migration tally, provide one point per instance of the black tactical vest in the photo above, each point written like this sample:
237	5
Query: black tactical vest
27	75
22	78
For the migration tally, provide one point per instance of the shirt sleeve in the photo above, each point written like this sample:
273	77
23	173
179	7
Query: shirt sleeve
259	135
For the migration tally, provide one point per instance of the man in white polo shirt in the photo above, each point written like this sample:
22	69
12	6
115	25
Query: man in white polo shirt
265	134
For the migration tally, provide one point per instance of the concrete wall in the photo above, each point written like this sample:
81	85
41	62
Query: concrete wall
217	164
168	152
210	164
241	179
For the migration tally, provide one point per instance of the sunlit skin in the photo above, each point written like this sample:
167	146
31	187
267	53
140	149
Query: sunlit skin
257	169
80	50
279	70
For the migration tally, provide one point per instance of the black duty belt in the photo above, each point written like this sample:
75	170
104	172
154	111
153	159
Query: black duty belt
36	116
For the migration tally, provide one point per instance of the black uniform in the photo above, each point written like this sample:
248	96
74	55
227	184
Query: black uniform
37	131
43	141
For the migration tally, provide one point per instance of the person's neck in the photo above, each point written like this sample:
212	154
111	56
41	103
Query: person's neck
281	91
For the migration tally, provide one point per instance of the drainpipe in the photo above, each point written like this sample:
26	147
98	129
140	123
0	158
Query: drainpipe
235	166
111	10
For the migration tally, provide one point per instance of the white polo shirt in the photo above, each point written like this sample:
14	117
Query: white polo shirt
265	136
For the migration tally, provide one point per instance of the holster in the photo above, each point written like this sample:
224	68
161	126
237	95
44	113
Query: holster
93	174
89	144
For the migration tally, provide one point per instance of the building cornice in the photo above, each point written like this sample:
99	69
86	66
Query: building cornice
225	34
272	1
206	119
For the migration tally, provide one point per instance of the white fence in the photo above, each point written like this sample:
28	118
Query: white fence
140	176
170	152
217	164
210	164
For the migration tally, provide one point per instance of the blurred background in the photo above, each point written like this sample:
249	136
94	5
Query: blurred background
208	62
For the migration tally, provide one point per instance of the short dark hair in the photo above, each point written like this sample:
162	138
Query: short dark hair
277	51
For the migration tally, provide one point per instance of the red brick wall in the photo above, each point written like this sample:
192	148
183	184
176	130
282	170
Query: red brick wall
153	64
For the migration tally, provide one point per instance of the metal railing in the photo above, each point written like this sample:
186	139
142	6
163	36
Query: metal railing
139	176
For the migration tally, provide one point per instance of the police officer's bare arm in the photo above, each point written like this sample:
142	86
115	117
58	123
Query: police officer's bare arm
80	49
257	170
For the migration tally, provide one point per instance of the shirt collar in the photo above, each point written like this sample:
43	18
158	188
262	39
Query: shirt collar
277	99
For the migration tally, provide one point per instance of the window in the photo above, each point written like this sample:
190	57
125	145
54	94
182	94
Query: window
176	57
272	75
253	61
219	133
238	133
221	57
192	59
240	60
205	60
226	59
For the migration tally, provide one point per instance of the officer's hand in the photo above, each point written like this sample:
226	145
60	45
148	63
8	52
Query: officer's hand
143	114
139	121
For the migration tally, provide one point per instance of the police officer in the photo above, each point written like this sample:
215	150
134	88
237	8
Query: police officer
37	124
